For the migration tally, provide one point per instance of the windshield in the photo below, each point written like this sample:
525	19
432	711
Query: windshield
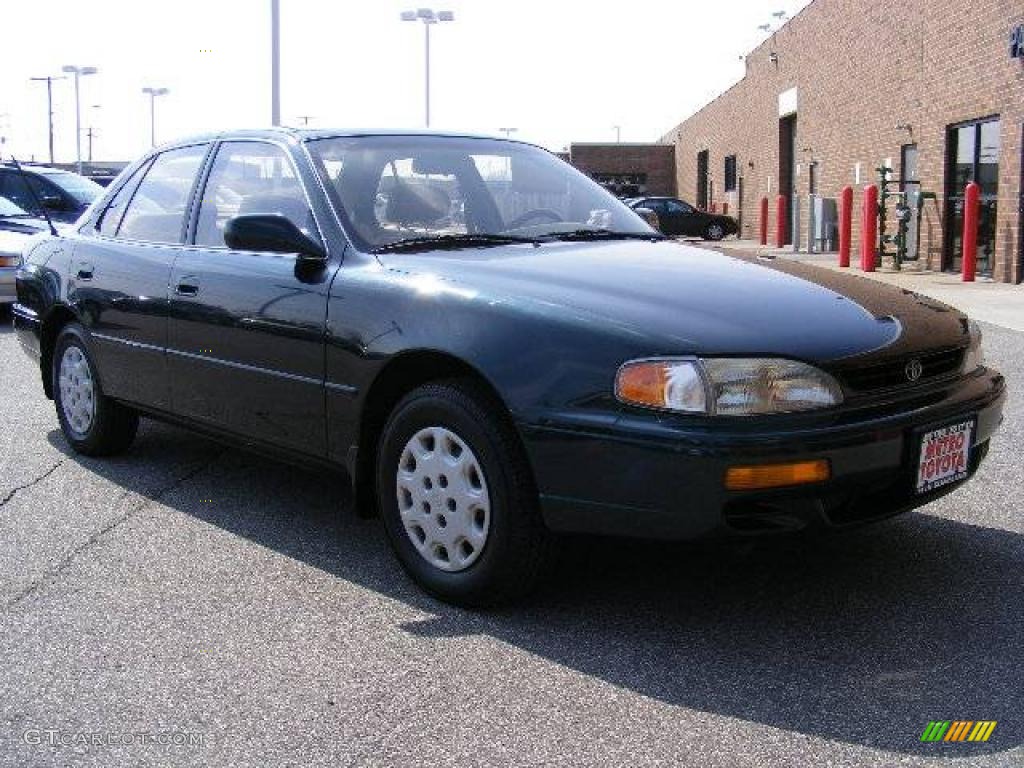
82	189
394	189
7	208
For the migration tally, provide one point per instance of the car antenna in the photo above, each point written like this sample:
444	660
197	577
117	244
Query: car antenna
35	197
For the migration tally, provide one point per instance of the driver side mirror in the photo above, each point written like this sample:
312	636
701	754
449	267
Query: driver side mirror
649	216
271	233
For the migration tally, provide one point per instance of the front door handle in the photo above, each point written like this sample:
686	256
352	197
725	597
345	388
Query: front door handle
85	270
187	286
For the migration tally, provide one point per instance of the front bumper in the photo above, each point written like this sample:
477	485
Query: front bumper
653	477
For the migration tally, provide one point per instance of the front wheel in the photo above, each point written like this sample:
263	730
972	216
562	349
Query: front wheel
457	498
92	423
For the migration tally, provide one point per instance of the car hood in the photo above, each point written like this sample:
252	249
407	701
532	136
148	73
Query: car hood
681	299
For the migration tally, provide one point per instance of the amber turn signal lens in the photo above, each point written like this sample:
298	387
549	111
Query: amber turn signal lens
10	261
777	475
643	384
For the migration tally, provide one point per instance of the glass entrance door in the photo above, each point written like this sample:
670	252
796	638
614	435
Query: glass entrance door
972	154
911	188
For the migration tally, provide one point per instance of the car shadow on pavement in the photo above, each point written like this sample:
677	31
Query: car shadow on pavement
861	637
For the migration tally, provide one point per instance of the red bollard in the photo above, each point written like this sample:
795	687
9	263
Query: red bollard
972	196
764	221
845	225
869	228
780	221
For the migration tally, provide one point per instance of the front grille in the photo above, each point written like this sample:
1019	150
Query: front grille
894	373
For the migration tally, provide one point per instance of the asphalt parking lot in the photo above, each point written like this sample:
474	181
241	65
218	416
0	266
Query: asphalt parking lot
185	588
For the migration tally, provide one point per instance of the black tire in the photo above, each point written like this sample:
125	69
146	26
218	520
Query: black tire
714	232
113	426
519	549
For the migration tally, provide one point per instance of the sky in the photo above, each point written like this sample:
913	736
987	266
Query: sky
558	72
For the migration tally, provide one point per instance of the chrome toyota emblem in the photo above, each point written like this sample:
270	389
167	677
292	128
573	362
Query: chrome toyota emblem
914	369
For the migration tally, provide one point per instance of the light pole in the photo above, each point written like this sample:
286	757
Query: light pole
49	105
508	132
91	132
275	62
618	133
78	72
153	93
429	17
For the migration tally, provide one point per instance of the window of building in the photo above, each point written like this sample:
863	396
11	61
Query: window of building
730	173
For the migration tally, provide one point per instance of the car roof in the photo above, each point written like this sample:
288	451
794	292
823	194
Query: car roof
41	170
310	134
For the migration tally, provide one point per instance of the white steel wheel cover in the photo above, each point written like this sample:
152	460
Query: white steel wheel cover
77	392
443	499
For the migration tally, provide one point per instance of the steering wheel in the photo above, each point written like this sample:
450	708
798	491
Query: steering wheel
537	213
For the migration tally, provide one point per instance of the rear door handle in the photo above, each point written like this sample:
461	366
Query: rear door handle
85	271
187	286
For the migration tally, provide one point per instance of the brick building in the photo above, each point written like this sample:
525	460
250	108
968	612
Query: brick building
933	88
628	169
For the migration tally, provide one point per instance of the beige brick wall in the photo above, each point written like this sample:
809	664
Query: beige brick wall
657	161
861	68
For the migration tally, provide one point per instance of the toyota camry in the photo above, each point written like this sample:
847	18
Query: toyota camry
494	349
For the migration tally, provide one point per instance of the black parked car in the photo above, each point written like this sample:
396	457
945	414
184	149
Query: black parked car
65	195
495	349
679	219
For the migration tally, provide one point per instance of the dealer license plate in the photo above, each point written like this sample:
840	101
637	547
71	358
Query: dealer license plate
945	456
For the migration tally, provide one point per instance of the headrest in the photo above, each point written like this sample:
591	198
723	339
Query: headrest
413	204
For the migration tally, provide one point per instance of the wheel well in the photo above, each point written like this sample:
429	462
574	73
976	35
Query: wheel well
399	377
57	318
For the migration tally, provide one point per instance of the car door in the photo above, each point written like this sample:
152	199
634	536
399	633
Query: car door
658	206
684	218
246	334
120	270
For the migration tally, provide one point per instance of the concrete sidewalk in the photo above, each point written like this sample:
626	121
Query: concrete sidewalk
984	300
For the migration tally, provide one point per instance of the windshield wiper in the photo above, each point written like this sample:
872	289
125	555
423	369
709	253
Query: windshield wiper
600	234
451	242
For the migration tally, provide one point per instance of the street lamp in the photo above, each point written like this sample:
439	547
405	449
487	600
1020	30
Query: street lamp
153	93
90	131
78	72
618	133
429	17
275	62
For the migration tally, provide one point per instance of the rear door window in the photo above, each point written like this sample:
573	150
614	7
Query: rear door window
156	213
14	188
112	214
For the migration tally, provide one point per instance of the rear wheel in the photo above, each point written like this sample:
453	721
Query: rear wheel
92	423
458	502
714	232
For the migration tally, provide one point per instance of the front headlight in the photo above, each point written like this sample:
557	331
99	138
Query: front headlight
974	358
727	386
